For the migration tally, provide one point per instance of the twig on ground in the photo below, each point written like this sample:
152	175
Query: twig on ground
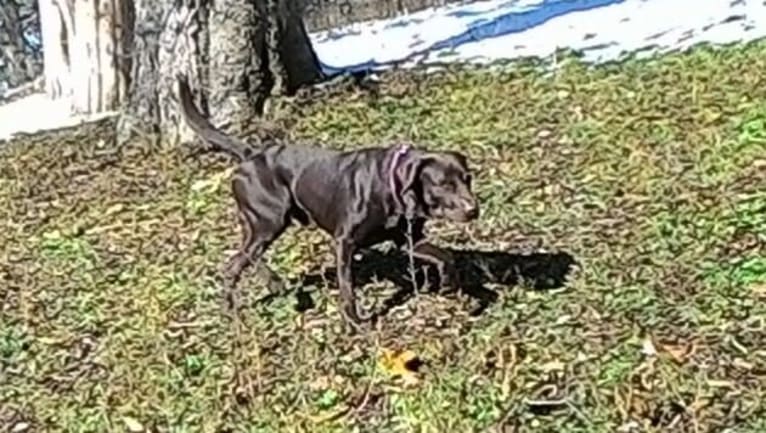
18	92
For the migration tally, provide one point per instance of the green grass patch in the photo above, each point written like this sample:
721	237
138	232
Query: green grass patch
650	174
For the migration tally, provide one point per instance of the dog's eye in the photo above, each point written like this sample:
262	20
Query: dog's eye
467	179
448	183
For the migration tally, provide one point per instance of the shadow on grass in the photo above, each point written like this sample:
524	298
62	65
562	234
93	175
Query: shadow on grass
476	270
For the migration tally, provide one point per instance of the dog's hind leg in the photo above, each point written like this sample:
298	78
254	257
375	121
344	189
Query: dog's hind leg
257	237
263	216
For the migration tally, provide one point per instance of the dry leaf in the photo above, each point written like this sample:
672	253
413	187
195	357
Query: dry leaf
323	418
677	352
741	363
720	383
399	363
212	183
133	424
647	348
553	366
114	209
20	427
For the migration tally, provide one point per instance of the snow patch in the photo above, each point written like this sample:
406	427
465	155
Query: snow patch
488	31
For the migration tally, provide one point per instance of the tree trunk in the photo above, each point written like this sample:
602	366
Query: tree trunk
56	51
82	40
20	64
235	53
168	38
294	47
238	83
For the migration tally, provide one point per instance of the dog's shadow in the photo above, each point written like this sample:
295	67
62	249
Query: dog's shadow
476	269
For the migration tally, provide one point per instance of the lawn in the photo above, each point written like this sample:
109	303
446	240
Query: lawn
650	175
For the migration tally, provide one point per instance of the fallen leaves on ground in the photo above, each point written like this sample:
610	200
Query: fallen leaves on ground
401	363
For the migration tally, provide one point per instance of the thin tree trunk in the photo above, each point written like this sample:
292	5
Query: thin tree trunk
82	64
56	50
110	79
84	37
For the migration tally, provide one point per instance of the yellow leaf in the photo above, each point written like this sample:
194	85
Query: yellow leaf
399	364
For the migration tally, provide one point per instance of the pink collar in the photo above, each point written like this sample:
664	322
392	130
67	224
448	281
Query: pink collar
401	152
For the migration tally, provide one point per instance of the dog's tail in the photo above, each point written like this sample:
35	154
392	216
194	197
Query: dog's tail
204	129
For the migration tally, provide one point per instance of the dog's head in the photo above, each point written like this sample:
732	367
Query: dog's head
438	185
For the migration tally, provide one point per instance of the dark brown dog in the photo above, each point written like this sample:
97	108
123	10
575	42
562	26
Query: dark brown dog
361	197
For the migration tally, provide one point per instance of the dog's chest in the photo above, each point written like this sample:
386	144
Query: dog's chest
392	222
378	229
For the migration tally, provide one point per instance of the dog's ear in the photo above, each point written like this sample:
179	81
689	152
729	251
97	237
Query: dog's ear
408	177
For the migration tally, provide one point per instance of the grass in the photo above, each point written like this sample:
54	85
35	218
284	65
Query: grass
651	174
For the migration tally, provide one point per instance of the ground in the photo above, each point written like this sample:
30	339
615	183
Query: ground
627	203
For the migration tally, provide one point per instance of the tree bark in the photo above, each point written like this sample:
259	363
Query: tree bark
236	53
238	84
167	39
84	63
56	51
111	78
20	64
291	41
82	41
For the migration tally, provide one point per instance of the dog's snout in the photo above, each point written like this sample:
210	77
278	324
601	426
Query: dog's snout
471	208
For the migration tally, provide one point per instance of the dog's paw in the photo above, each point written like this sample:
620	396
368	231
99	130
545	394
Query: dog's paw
449	281
231	303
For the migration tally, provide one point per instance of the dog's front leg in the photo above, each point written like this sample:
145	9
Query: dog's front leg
442	259
344	251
